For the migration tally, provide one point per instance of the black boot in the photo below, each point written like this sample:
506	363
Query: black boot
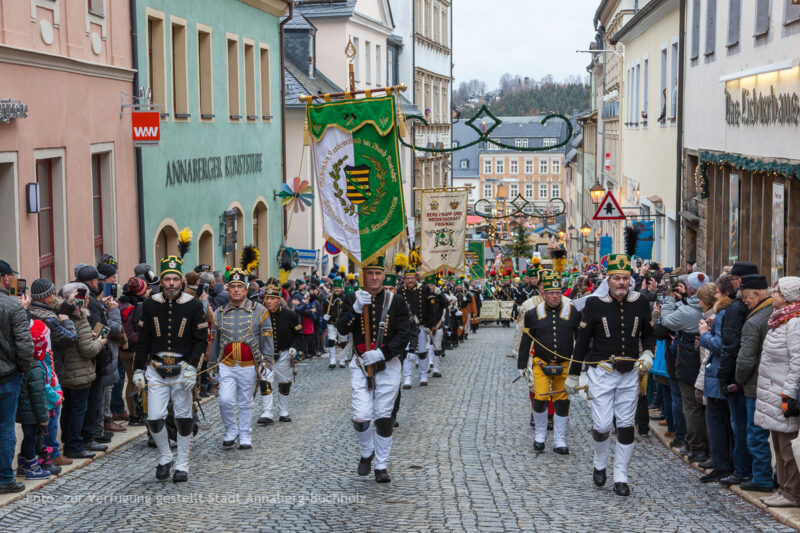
538	447
365	464
382	476
162	471
599	477
180	476
621	489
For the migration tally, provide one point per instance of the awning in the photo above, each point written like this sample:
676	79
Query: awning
474	219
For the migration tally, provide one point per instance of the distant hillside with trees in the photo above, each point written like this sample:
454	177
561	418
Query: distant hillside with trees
524	96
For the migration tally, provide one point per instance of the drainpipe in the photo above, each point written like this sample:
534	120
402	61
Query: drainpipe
290	3
413	85
137	152
679	144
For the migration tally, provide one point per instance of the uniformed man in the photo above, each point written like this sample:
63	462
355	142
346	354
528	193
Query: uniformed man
242	333
385	317
286	337
614	325
438	303
505	293
553	323
173	336
416	297
332	315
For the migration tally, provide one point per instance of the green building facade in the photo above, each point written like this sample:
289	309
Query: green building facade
214	68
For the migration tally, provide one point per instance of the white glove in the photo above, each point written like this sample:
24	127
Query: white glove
571	384
372	357
292	352
326	318
138	379
362	298
647	360
459	313
264	372
521	371
188	377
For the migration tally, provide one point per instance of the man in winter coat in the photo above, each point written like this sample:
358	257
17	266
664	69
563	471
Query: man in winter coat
755	295
684	321
16	357
735	315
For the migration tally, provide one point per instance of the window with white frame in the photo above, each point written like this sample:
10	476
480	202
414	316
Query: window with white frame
555	166
555	190
542	191
521	142
529	166
487	190
357	60
500	166
529	191
549	141
543	166
645	85
513	190
367	62
513	166
487	165
465	163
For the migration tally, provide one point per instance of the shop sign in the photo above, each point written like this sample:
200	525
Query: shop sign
146	128
10	109
765	109
185	171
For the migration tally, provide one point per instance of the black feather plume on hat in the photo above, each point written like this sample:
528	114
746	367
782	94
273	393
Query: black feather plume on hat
631	239
250	258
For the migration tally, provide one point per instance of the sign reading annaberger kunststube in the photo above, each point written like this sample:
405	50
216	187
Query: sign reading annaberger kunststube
357	169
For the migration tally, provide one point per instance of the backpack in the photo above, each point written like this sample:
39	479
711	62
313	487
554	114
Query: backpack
128	313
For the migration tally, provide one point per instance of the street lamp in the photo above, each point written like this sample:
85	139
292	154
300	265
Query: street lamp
596	192
561	234
586	229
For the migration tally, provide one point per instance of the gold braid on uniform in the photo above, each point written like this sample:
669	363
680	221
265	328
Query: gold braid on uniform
571	360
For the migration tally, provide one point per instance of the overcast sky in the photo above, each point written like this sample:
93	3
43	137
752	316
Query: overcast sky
525	37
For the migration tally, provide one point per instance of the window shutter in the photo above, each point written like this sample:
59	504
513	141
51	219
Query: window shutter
734	21
711	26
695	29
791	13
762	17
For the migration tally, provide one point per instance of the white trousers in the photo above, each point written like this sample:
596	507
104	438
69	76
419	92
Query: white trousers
377	403
281	373
434	347
408	368
159	392
613	395
333	338
236	386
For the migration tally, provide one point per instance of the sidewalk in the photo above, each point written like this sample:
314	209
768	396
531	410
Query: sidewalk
789	516
117	440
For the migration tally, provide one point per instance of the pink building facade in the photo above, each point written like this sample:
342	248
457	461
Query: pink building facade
63	68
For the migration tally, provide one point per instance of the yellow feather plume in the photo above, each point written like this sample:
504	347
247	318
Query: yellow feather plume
342	269
283	276
414	259
185	235
400	260
351	276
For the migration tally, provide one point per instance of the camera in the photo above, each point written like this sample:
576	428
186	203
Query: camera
201	289
110	289
18	287
80	298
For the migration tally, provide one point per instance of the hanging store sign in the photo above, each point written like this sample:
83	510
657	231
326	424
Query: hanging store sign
146	128
11	109
765	109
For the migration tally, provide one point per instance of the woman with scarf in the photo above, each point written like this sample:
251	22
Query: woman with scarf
778	383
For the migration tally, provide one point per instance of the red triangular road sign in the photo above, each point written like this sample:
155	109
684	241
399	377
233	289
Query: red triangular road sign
609	209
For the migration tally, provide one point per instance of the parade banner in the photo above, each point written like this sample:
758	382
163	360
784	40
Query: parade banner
506	309
474	259
645	240
443	229
490	310
357	171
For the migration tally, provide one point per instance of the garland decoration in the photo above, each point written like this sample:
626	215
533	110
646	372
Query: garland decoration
749	164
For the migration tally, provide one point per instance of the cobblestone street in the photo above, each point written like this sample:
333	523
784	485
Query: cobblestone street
462	460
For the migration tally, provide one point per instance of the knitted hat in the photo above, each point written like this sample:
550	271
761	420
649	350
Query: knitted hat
78	268
42	288
40	335
789	287
137	286
697	280
106	270
754	281
87	273
141	269
743	268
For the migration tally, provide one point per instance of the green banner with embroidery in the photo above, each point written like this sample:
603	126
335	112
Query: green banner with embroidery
357	171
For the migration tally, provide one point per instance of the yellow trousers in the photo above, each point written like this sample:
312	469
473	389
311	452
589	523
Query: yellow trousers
542	383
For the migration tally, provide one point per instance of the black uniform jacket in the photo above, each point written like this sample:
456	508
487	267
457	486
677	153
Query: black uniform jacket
613	328
555	328
286	330
417	300
177	326
398	329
